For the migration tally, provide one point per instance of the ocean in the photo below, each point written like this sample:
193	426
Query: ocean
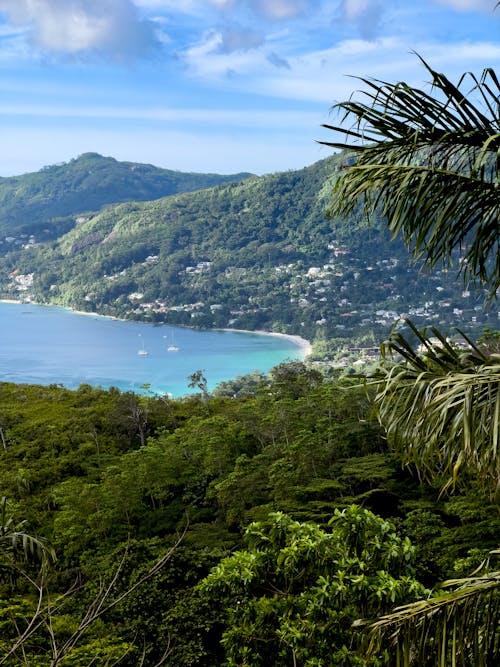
53	345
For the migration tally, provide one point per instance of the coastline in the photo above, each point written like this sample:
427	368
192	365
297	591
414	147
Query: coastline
304	345
56	305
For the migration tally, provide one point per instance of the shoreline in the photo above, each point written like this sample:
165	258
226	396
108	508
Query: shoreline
303	344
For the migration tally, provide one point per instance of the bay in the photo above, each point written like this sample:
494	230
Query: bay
53	345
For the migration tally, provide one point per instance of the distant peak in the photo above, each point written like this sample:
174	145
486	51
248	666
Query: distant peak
93	156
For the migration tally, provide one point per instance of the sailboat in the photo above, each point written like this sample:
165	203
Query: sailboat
142	352
171	347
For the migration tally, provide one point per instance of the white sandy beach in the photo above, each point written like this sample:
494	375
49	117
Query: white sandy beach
304	344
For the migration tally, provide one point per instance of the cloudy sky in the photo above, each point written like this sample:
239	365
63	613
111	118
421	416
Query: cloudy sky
213	85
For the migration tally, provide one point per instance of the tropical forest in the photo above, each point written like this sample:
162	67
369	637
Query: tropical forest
323	514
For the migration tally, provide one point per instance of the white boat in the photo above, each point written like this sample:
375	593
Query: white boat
142	352
171	347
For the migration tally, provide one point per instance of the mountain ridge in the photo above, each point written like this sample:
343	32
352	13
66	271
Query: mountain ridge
257	253
41	200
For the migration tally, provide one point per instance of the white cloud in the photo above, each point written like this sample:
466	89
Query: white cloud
323	76
222	4
364	14
77	27
236	118
235	38
281	10
274	10
186	6
192	7
354	9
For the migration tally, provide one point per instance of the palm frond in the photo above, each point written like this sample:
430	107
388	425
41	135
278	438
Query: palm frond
430	164
14	540
459	627
440	406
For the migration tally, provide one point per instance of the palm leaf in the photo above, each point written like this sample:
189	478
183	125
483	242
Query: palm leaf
459	627
440	406
14	540
430	164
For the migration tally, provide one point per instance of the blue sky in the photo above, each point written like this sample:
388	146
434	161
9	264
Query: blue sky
213	85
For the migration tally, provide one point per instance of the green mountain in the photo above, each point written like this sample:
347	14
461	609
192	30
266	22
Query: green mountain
38	203
254	254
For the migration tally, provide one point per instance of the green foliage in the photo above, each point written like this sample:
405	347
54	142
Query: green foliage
458	625
33	202
98	473
241	386
430	163
441	406
291	597
258	254
17	544
19	615
412	151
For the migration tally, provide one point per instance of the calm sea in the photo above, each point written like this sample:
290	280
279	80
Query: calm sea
47	344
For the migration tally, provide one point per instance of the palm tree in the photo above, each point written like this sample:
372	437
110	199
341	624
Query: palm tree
440	406
430	165
15	542
458	627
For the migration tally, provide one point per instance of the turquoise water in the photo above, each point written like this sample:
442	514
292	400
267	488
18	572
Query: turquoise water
47	344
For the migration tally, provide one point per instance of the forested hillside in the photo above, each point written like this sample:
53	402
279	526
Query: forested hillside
111	481
46	202
255	254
